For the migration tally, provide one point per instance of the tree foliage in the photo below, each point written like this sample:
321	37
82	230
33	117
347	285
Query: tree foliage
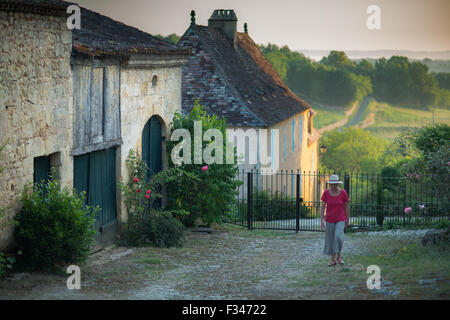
173	38
337	80
353	150
210	196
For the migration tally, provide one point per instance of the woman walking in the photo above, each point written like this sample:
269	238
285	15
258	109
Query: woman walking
337	206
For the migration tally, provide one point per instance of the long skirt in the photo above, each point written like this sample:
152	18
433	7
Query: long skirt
334	237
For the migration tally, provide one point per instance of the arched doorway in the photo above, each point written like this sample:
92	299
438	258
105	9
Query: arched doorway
152	145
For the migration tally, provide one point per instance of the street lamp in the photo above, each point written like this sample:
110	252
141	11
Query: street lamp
323	149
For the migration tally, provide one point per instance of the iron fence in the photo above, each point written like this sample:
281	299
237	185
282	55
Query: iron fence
285	200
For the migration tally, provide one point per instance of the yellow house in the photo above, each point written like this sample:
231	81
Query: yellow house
231	78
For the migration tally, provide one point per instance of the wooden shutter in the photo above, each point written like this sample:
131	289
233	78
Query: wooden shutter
41	168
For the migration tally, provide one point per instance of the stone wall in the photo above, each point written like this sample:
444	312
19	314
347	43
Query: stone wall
35	102
141	97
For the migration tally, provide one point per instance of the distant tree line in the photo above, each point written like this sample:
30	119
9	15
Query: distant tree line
173	38
337	80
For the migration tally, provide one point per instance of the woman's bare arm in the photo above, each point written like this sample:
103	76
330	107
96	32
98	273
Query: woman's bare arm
347	213
322	209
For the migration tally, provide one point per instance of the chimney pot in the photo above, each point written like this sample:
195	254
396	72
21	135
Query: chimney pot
226	21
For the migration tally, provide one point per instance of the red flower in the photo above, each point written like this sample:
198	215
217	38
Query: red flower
148	191
147	196
204	168
138	190
136	180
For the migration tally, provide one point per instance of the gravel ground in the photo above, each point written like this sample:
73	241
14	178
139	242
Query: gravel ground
230	263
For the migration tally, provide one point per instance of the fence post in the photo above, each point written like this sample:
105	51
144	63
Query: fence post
347	183
249	199
404	202
297	204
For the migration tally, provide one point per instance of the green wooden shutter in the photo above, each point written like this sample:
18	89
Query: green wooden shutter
41	168
81	173
151	146
95	185
146	145
109	186
155	146
95	173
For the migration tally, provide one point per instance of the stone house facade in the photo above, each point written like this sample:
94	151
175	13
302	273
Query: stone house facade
79	100
230	77
36	106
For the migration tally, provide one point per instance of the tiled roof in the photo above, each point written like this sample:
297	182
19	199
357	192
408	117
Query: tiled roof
101	35
253	94
42	7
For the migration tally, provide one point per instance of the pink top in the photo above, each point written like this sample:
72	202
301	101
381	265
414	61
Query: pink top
335	206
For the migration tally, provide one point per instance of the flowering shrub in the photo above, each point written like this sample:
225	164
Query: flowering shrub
147	222
211	195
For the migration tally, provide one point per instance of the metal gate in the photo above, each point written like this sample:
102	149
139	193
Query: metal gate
291	201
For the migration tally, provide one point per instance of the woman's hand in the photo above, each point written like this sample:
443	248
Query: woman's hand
346	223
322	226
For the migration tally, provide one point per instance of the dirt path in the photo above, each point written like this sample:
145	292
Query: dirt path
359	114
341	122
229	264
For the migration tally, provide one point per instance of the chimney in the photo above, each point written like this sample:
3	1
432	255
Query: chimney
225	20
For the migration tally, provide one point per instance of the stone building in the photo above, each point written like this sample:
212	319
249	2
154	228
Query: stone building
79	101
127	87
36	105
230	77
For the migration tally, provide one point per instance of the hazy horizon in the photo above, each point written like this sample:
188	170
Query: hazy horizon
414	25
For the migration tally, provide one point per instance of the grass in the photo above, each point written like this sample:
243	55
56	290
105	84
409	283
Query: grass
391	121
326	116
403	263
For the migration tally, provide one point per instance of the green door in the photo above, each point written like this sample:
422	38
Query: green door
152	146
95	173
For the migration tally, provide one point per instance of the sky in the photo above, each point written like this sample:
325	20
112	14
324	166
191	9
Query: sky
301	24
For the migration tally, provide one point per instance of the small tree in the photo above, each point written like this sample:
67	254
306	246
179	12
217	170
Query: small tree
211	195
427	150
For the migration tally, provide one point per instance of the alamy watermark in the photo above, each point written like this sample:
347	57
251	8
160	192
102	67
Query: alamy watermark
74	20
74	281
374	280
374	20
251	146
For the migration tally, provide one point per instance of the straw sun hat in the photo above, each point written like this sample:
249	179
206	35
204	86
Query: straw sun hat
334	179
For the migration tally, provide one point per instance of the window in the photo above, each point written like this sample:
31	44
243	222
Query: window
293	135
154	81
310	123
41	167
300	129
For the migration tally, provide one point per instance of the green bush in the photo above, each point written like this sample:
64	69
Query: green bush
6	263
148	222
54	227
207	195
269	206
161	229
